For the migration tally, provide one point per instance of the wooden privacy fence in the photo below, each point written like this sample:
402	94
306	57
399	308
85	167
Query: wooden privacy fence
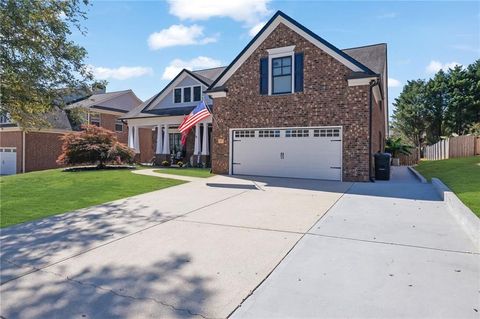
458	146
412	159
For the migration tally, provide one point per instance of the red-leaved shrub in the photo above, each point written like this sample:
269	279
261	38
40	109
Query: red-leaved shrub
94	145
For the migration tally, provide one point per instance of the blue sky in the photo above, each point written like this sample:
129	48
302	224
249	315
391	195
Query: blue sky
140	45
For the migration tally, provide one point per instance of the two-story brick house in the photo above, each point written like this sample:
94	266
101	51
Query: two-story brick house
293	105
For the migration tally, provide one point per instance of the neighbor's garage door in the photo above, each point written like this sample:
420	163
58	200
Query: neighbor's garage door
8	160
308	152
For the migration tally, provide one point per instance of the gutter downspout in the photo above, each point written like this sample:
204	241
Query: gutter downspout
23	151
372	84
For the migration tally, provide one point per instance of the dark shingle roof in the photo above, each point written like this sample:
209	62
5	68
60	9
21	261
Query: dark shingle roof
96	101
373	56
209	75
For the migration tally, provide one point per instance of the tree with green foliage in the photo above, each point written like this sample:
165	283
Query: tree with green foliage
396	147
409	114
447	104
39	63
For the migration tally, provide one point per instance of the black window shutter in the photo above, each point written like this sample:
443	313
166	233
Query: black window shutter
264	76
299	72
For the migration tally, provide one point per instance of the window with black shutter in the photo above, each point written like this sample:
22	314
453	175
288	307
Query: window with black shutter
282	75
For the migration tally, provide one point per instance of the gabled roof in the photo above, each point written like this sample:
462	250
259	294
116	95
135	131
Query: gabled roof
280	17
56	119
96	101
373	56
206	77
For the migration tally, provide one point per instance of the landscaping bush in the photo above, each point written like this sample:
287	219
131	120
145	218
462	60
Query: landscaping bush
94	145
180	164
166	163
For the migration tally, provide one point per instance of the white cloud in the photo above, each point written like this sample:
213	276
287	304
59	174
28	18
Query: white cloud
248	11
394	83
201	62
435	66
256	28
120	73
178	34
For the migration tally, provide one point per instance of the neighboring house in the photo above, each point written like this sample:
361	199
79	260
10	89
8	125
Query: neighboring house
105	109
154	124
293	105
35	150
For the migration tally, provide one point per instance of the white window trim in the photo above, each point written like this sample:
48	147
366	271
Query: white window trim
280	53
182	98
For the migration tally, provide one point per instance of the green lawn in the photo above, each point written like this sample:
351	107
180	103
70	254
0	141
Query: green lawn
193	172
462	175
35	195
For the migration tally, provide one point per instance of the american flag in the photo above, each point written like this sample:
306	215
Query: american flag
199	113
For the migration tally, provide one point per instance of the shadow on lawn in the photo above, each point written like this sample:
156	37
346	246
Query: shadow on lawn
36	244
161	290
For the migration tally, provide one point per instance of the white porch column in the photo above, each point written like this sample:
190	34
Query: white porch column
130	136
196	150
166	140
136	140
205	140
159	149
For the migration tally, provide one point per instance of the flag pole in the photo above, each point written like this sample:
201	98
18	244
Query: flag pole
210	111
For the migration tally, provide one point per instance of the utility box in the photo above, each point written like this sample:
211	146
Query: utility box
382	166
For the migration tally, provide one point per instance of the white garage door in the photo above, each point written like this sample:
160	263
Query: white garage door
8	160
307	152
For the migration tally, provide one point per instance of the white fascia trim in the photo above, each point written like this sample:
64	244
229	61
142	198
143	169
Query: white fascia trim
282	50
217	94
267	32
362	81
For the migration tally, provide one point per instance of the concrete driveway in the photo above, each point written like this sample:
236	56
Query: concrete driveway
194	250
385	250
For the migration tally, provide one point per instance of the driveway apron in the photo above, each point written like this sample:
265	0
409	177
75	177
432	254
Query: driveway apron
385	250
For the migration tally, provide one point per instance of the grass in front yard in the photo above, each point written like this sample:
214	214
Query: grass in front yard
35	195
193	172
461	175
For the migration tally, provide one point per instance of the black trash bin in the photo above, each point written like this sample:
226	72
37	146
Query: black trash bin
382	166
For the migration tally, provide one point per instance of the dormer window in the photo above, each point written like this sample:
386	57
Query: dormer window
187	94
177	96
197	93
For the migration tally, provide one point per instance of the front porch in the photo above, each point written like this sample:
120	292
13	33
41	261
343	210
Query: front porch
165	141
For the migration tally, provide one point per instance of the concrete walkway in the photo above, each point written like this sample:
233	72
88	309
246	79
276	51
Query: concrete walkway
151	172
385	250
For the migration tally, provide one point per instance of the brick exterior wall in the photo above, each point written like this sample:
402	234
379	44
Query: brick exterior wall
108	121
42	150
13	139
326	100
378	129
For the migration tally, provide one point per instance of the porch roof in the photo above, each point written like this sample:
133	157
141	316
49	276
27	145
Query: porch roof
170	111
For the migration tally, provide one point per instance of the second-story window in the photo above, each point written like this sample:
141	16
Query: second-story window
177	93
282	75
187	94
197	93
95	119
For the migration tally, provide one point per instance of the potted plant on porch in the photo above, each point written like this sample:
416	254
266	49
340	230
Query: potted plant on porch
396	147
